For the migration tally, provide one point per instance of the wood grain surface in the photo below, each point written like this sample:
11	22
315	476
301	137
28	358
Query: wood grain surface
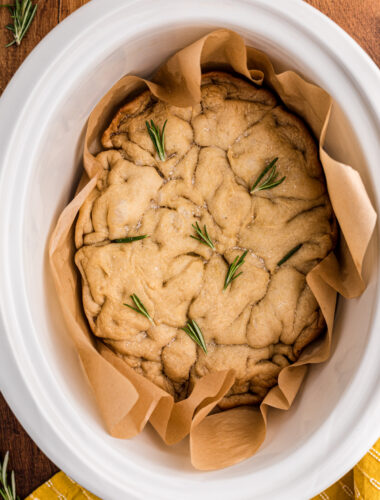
360	18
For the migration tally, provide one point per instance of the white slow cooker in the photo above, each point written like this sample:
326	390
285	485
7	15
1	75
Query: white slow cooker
336	416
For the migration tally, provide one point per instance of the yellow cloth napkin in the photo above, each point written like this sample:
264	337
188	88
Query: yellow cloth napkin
61	487
362	483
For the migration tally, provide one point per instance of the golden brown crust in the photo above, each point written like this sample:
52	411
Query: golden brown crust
215	151
130	109
145	99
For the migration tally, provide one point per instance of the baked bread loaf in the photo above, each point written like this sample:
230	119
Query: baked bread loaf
215	153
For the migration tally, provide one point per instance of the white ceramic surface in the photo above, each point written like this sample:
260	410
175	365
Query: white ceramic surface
43	112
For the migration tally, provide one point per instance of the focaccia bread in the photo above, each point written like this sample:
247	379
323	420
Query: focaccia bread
215	153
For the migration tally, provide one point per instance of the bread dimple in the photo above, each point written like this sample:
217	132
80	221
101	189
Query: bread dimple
214	152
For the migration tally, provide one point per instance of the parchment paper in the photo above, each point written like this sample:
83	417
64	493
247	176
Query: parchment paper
127	401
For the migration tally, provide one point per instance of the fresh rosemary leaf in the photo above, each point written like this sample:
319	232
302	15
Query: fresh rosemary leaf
158	138
129	239
289	254
202	237
140	308
271	181
22	12
195	333
7	491
230	276
268	167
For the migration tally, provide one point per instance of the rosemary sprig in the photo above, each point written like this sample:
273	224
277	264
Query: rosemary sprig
140	308
271	181
230	276
22	12
7	491
289	254
129	239
202	237
158	138
195	333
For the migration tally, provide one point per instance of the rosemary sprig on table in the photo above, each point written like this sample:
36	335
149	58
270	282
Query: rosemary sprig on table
202	237
158	138
195	333
22	12
7	491
289	254
129	239
140	308
230	276
271	181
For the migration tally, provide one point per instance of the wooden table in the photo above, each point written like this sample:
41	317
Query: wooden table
360	18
